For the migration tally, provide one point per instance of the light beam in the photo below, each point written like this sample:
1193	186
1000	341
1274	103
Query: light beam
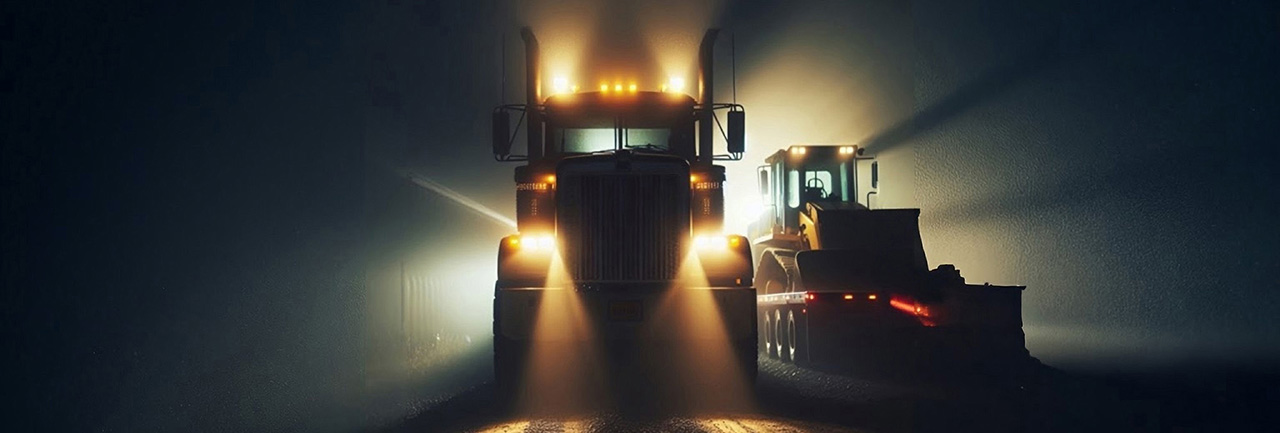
461	199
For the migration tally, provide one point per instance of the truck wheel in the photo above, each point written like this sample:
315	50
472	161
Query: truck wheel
506	370
784	344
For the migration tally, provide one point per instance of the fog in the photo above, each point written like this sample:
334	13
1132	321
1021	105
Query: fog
211	218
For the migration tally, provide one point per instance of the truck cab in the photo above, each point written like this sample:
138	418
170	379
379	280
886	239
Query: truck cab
619	206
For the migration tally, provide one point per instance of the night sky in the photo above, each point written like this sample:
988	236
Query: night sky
202	204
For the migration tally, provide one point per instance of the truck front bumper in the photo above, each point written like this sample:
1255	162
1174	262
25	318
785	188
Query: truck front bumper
620	314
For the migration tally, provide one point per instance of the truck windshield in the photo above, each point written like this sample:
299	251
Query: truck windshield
587	140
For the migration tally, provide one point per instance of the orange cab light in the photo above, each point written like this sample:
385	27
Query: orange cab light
848	297
632	88
604	87
514	241
551	178
617	87
733	241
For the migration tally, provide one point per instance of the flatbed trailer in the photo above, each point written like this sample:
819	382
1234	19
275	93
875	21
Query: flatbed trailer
840	282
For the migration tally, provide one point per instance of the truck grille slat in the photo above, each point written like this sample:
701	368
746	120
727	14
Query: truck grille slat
622	225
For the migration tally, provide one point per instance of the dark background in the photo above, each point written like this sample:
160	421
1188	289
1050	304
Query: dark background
196	198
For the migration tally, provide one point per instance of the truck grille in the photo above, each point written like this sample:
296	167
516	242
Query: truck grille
623	225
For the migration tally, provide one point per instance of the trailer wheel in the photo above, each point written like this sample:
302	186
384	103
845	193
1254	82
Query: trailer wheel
800	351
792	342
770	337
784	343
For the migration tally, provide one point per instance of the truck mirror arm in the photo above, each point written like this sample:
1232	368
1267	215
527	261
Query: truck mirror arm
732	156
523	109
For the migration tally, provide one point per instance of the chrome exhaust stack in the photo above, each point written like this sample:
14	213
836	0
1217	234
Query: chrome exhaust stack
533	93
706	89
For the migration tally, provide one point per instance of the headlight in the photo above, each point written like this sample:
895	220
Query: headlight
534	242
711	242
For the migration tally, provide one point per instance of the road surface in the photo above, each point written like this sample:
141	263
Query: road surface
791	399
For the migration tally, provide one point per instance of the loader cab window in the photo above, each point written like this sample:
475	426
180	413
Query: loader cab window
820	182
816	186
793	189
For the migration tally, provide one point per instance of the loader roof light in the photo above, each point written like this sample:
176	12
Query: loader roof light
617	87
604	87
797	150
846	150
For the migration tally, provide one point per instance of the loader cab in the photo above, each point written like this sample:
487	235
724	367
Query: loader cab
839	177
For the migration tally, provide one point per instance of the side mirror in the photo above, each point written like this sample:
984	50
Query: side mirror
737	132
501	133
875	174
764	182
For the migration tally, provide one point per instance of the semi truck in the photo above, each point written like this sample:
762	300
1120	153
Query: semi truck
841	282
618	200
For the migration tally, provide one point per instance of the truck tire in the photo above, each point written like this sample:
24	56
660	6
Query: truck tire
762	337
747	359
507	369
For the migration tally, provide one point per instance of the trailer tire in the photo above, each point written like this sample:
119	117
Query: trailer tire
784	344
795	347
770	337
